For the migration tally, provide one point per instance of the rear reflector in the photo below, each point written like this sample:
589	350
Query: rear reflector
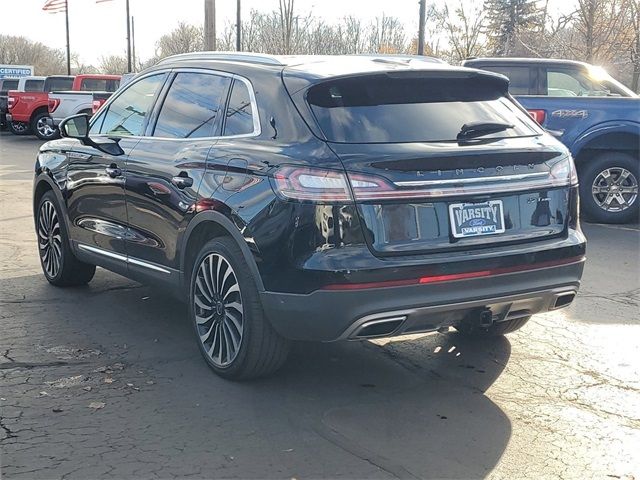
456	276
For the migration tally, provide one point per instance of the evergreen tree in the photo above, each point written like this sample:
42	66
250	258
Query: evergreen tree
507	20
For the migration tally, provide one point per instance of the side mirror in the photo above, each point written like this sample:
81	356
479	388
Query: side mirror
76	126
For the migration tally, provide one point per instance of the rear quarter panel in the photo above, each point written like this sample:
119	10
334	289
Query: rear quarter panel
580	119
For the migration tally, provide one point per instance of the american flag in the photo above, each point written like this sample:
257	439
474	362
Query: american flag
55	6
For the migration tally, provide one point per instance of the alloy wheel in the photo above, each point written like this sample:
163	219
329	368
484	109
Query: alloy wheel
20	127
44	128
615	189
49	239
218	309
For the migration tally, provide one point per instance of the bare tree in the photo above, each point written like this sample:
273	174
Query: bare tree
387	35
600	29
22	51
113	64
185	38
634	43
463	28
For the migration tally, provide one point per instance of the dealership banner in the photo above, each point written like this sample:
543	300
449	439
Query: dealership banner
15	71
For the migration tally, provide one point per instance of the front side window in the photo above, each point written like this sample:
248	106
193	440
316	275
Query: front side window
126	115
573	83
239	115
191	106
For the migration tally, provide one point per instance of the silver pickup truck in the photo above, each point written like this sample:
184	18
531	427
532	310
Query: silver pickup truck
65	104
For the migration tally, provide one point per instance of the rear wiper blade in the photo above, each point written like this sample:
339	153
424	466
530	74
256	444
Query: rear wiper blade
478	129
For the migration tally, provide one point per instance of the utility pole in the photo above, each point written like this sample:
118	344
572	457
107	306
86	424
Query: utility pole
133	43
421	27
238	28
66	17
128	40
210	25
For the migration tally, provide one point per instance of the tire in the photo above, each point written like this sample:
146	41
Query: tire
233	334
610	176
19	128
41	128
59	265
496	330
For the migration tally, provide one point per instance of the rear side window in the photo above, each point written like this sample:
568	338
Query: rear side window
9	84
126	115
389	109
239	115
53	84
519	78
33	85
192	106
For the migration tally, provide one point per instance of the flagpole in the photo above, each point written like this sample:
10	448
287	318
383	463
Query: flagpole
66	15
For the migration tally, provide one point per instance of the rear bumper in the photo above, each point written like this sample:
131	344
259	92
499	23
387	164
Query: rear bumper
326	315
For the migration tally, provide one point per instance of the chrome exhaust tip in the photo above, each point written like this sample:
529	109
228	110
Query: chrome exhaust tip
381	327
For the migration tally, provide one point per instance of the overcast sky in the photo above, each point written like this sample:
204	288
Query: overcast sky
100	29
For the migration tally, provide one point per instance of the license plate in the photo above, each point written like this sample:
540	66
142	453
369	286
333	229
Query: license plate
476	219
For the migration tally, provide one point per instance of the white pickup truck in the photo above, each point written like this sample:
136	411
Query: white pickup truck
65	104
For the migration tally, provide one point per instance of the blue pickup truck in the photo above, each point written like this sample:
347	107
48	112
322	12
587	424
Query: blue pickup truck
595	116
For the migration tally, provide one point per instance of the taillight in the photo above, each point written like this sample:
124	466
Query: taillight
95	106
537	115
11	102
53	104
329	186
312	184
564	172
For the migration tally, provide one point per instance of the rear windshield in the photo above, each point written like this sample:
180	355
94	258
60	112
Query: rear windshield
99	85
53	84
385	109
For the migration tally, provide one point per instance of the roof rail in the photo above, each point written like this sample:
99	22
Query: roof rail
224	56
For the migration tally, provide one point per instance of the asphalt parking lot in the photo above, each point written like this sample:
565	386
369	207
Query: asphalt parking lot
107	381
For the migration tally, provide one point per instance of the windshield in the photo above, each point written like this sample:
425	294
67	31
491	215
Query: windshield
385	109
52	84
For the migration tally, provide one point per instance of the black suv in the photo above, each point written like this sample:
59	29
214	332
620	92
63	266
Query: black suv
315	198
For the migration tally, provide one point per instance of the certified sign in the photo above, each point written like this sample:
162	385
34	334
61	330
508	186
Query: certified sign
10	71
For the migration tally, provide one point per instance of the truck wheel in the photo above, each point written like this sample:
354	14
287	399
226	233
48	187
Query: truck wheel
19	128
609	188
232	331
41	127
59	265
495	330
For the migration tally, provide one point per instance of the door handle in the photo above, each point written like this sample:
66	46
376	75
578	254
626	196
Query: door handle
113	171
182	180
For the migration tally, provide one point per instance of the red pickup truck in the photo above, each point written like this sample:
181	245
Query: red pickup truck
31	108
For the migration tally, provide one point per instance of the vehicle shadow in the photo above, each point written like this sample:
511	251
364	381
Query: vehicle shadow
411	408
